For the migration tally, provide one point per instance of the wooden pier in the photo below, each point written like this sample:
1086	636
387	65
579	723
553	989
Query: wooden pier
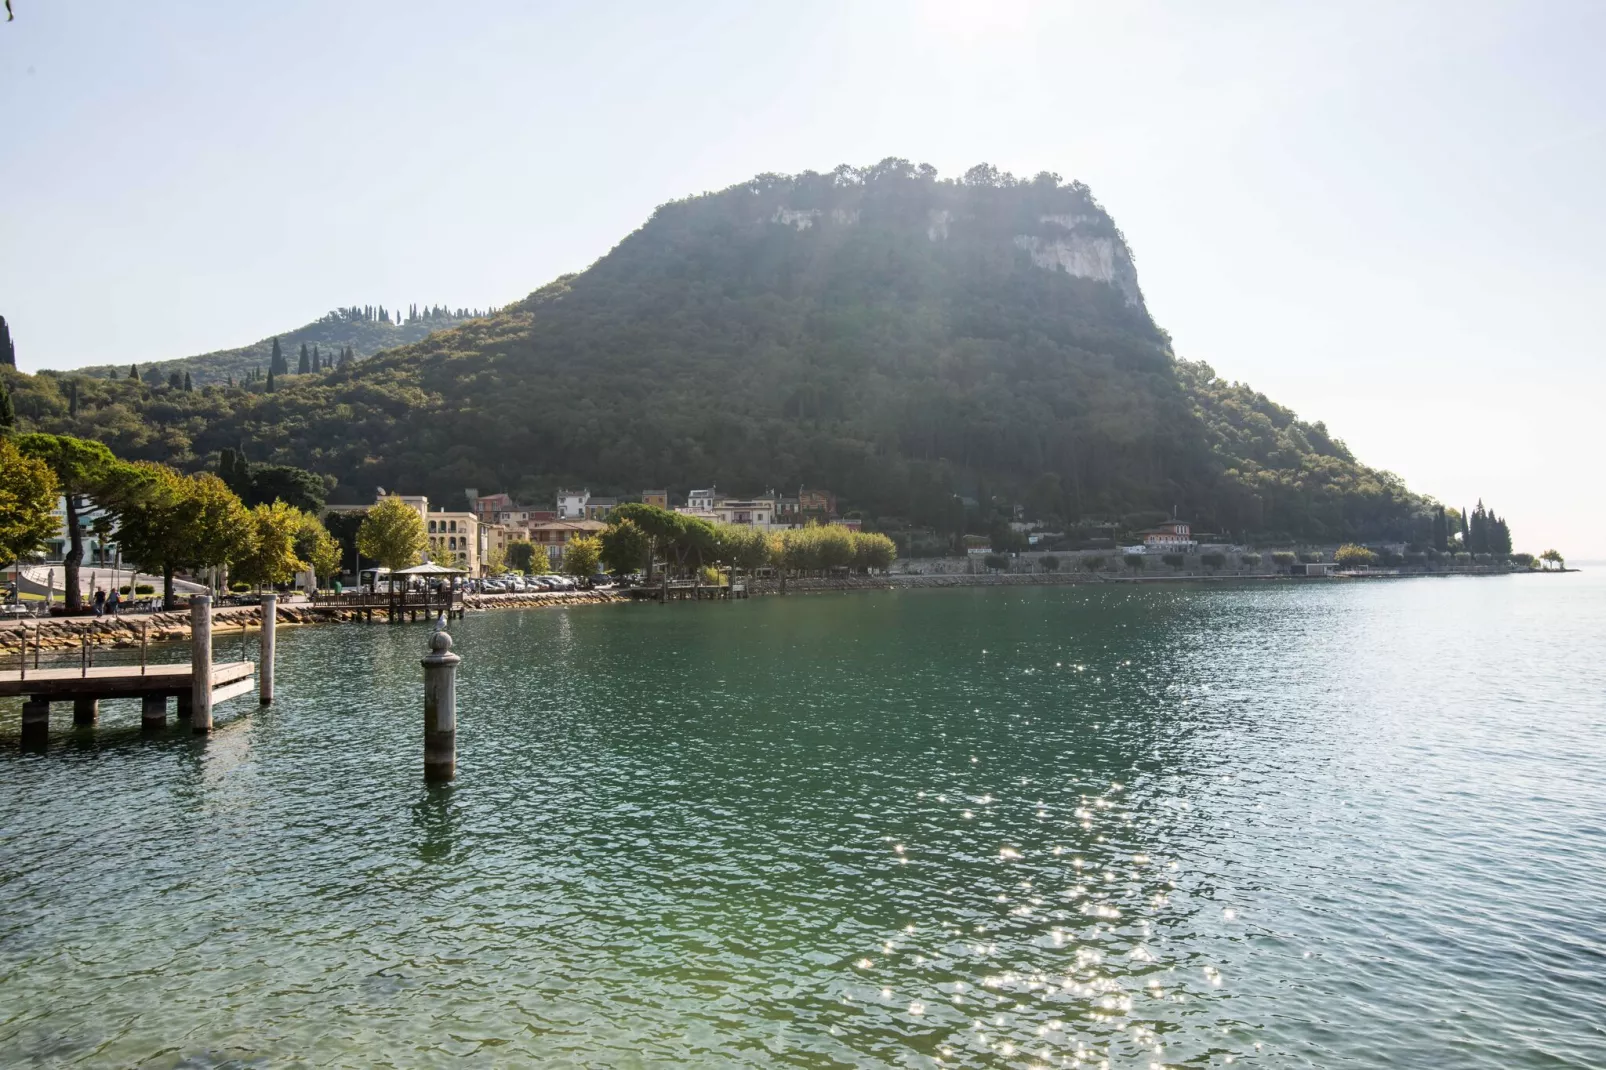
85	687
402	606
196	687
687	592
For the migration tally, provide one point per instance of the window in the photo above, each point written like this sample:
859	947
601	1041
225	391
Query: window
432	525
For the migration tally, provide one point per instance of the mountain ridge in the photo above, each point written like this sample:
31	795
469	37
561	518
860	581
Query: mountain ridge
909	341
357	326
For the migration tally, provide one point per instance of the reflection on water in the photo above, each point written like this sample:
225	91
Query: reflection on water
1347	825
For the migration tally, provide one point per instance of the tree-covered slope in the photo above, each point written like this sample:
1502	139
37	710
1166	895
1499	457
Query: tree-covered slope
359	328
906	341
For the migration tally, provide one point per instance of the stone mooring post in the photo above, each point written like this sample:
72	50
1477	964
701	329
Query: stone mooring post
201	663
440	708
270	620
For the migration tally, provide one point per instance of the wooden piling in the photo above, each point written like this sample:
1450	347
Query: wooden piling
35	720
85	711
201	663
440	708
153	712
270	620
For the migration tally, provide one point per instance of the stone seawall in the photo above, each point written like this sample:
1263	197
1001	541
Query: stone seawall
898	580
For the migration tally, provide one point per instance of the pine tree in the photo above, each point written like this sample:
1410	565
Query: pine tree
8	349
304	365
8	412
189	384
1480	529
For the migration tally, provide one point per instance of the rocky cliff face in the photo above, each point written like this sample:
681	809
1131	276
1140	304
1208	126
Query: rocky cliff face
1070	248
1076	237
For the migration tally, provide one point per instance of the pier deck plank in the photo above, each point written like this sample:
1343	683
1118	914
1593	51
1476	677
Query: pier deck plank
115	681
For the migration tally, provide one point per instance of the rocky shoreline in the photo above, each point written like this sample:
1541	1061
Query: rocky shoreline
126	632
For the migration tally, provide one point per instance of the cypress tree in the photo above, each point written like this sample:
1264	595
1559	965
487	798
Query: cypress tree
8	350
304	366
72	397
189	384
315	363
133	372
8	412
270	378
277	365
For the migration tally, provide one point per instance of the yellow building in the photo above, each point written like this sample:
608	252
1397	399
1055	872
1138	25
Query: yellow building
454	539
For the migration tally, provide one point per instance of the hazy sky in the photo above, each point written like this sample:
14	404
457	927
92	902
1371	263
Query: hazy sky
1388	216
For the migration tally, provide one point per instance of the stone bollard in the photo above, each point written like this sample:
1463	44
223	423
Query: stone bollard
201	663
440	708
270	621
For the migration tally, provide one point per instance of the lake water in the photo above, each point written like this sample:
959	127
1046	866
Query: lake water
1336	825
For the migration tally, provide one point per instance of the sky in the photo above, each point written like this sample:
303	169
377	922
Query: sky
1386	216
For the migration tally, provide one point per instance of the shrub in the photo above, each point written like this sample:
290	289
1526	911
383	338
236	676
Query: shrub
1174	560
1050	563
711	576
1525	560
1310	558
1249	560
1352	556
1462	557
239	587
1284	557
1134	562
1093	564
1213	560
996	562
1483	559
1416	560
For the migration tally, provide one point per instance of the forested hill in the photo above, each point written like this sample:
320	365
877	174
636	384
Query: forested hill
363	329
907	341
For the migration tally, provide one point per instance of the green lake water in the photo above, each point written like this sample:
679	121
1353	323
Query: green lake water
1334	825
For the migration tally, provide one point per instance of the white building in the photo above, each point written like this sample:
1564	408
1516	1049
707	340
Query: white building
572	504
701	501
749	512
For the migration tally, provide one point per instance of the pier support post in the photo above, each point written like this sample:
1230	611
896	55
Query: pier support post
85	712
201	663
270	620
440	708
181	706
153	712
35	721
